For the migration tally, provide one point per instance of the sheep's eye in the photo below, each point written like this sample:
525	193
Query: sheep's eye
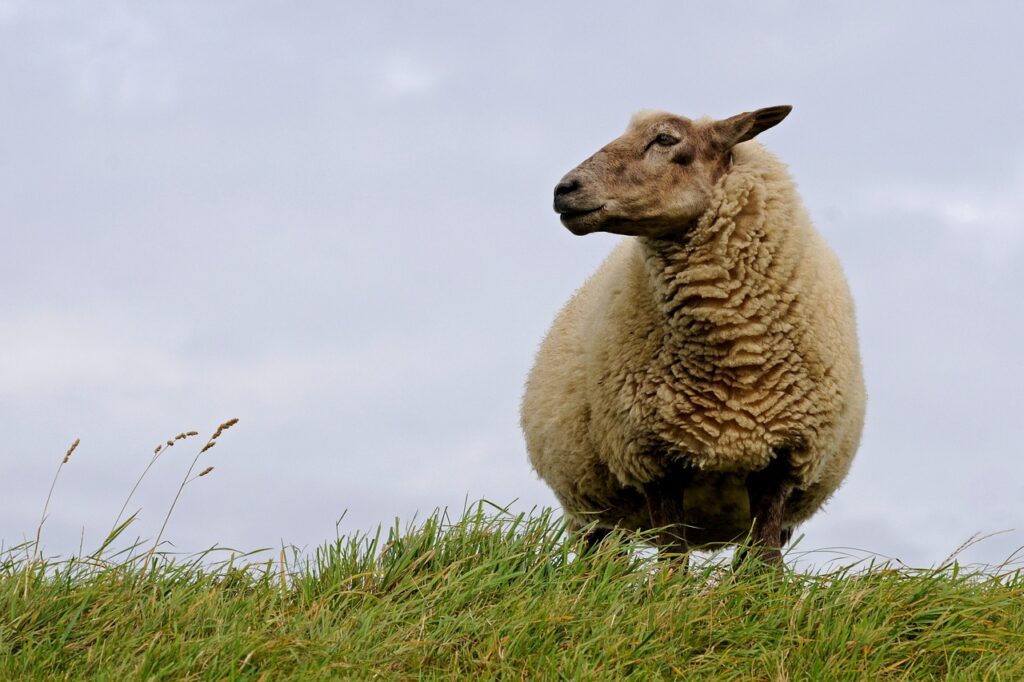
666	140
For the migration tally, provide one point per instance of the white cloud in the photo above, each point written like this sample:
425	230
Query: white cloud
121	360
9	11
992	217
403	75
120	61
47	353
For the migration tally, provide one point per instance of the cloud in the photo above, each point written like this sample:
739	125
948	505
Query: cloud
119	359
403	75
991	217
47	353
120	60
9	11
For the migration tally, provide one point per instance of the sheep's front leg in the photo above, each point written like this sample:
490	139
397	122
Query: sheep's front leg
594	537
668	510
767	490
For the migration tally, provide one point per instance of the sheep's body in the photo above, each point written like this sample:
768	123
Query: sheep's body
715	353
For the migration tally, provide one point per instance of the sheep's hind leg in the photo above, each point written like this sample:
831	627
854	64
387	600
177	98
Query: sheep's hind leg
767	490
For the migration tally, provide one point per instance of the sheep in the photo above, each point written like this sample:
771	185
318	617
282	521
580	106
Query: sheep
706	379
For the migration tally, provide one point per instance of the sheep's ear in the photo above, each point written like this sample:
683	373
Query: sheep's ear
742	127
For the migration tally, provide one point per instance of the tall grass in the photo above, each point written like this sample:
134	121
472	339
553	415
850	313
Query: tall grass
491	594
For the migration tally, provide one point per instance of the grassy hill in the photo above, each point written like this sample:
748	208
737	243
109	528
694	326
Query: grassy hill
490	595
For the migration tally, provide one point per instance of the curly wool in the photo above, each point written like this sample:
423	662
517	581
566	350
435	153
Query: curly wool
717	352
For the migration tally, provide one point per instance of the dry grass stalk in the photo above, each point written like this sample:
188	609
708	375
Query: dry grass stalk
46	507
159	450
184	481
282	573
49	495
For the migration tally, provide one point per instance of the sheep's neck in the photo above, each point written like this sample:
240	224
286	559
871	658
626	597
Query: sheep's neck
723	295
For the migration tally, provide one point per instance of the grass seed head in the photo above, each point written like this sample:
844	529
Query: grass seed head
207	446
67	455
224	427
205	471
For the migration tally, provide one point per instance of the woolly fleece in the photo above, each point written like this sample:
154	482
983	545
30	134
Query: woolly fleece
715	352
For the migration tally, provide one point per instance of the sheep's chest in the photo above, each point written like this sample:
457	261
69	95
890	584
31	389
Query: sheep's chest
713	424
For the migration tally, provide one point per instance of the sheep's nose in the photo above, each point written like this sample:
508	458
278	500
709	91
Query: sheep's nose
567	193
568	185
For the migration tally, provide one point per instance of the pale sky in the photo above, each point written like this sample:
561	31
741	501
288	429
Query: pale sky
333	221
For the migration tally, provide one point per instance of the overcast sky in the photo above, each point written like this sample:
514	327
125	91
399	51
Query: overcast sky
332	221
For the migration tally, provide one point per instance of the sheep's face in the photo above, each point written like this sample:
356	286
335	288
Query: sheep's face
657	179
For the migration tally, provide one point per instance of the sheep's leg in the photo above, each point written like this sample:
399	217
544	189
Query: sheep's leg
594	537
669	512
787	535
743	550
767	490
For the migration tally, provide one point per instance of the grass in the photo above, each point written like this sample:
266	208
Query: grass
495	595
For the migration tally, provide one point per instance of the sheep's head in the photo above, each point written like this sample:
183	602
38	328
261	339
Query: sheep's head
656	180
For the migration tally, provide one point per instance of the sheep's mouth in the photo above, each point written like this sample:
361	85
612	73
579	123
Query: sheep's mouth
577	220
